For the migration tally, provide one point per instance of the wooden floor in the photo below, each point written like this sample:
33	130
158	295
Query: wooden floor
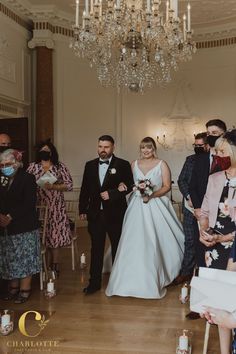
99	325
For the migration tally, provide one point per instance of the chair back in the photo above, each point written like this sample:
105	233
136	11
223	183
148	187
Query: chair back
42	211
72	213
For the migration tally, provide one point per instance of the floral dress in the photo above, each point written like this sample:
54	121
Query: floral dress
58	232
217	256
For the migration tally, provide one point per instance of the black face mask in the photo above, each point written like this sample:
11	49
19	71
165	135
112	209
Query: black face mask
44	155
211	139
4	148
199	150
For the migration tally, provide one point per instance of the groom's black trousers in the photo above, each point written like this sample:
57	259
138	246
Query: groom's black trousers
98	228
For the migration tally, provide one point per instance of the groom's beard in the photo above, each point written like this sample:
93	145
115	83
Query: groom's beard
104	155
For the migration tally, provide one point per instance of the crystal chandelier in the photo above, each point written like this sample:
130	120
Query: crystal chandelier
131	43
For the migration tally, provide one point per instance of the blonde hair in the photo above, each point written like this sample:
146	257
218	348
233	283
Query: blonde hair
149	143
232	148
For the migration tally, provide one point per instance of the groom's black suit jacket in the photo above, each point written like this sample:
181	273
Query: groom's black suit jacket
90	200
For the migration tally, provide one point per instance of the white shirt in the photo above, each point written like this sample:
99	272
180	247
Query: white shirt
102	170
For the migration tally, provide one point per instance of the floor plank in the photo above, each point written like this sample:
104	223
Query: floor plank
99	325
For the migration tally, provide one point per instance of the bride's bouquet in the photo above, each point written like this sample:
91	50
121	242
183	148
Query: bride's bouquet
143	188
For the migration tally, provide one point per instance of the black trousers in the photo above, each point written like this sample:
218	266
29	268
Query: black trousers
98	229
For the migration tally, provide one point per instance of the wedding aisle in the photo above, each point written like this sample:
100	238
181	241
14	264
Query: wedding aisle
97	324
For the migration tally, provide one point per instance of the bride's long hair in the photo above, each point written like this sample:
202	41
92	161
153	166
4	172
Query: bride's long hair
149	143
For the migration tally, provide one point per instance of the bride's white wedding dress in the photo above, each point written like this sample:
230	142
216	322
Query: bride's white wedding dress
150	250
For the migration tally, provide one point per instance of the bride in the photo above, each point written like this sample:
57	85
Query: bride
150	250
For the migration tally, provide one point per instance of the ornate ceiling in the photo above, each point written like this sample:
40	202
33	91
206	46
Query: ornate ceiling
208	16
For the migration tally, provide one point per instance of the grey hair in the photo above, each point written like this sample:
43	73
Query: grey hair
9	155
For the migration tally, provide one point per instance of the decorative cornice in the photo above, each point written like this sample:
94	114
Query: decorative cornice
14	17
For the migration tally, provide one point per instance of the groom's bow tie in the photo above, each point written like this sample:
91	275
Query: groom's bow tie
102	162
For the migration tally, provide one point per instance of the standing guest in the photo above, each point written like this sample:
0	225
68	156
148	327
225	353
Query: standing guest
189	221
150	250
103	205
218	217
56	180
5	142
19	234
205	165
217	227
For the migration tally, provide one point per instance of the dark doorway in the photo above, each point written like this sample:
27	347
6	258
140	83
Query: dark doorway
17	129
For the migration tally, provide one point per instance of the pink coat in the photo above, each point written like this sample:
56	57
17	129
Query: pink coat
210	204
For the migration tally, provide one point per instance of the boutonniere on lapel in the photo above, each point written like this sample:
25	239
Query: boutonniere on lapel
112	171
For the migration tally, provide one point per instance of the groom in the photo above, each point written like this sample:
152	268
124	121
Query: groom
103	205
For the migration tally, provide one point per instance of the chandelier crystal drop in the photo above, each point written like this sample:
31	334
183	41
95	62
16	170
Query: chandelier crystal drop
131	43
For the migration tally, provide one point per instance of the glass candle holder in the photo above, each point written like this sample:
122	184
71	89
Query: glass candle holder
50	290
83	261
184	341
6	322
184	294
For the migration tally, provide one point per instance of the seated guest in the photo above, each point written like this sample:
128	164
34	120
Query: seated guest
19	234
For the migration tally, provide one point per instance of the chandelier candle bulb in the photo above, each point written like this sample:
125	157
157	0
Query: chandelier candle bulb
175	8
87	8
148	6
184	27
5	319
91	7
77	13
189	18
118	4
167	11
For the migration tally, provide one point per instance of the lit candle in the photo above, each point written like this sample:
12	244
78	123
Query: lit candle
91	6
50	286
149	6
118	4
83	259
83	23
184	27
77	13
100	10
5	319
175	8
87	7
189	19
183	342
167	10
184	292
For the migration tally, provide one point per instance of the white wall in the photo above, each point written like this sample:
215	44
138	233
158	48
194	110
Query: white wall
15	68
202	89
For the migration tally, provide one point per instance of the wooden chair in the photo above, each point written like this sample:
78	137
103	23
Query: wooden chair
72	213
42	211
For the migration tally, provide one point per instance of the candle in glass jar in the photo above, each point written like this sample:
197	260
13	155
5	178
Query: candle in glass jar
5	319
183	342
50	286
184	292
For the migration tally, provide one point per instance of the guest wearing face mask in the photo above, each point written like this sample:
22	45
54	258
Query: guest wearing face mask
203	167
19	234
217	220
189	221
51	194
5	142
217	227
